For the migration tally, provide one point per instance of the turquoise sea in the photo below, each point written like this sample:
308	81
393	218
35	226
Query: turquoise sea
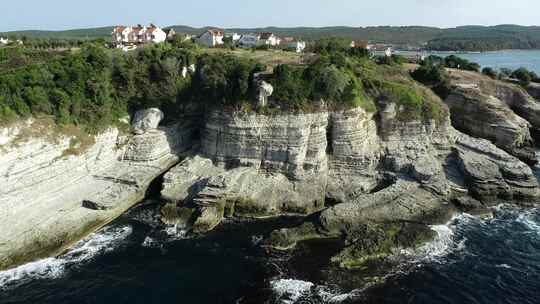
512	59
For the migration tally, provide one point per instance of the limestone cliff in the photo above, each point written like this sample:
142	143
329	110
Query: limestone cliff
501	112
254	165
57	190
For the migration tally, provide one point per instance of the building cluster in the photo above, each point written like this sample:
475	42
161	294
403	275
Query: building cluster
132	36
216	37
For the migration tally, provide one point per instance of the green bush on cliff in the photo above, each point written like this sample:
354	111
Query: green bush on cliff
525	76
94	87
435	77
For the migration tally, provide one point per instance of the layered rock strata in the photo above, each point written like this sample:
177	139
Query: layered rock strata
50	199
355	166
501	112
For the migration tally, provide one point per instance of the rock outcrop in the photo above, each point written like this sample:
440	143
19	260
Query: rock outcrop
495	110
53	194
488	117
146	120
373	168
375	179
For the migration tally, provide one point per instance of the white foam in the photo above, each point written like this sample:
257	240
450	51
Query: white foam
445	242
150	243
52	268
289	291
526	219
256	239
176	232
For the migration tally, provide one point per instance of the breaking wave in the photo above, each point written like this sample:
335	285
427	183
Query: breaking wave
84	251
291	291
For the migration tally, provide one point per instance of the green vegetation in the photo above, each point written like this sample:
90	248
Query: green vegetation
482	38
465	38
433	76
432	72
525	76
490	72
344	79
94	87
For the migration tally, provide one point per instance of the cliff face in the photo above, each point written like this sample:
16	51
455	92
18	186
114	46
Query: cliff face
501	112
56	190
293	145
358	171
253	165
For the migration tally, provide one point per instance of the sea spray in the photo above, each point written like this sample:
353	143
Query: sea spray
51	268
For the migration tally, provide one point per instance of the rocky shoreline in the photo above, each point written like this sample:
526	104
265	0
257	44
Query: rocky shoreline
372	179
51	200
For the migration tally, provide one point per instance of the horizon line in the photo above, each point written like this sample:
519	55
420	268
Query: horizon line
273	26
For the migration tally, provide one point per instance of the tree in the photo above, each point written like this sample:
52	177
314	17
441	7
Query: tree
490	72
63	105
332	83
504	73
435	77
38	99
523	75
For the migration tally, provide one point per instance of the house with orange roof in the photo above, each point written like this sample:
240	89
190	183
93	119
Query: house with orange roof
123	36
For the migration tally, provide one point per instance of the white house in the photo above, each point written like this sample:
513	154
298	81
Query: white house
211	38
134	35
248	41
234	36
297	46
269	39
293	44
4	40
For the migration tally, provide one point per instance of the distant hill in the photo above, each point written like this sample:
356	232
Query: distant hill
483	38
90	33
401	35
464	38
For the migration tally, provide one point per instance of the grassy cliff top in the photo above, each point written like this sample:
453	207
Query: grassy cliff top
95	87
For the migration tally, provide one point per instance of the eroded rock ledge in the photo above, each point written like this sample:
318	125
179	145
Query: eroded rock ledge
50	199
498	111
368	178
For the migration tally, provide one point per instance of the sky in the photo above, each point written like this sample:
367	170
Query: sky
69	14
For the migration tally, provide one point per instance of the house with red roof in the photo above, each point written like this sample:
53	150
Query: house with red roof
136	35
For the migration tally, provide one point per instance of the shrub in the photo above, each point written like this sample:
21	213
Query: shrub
523	75
490	72
435	77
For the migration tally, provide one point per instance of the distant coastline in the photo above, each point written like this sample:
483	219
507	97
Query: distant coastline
459	39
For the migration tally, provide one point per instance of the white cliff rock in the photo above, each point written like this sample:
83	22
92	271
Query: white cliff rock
265	90
148	119
45	190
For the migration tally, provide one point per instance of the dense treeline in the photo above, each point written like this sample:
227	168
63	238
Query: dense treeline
452	62
480	38
465	38
95	87
343	78
432	72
